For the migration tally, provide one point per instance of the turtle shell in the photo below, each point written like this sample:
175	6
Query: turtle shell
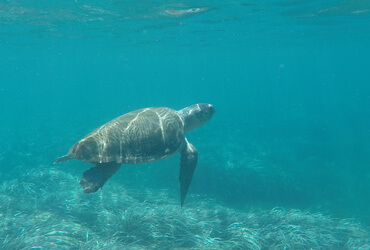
143	135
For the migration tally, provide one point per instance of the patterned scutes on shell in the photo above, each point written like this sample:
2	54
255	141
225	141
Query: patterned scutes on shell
143	135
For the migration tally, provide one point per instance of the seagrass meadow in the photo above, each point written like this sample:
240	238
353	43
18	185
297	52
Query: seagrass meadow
37	213
45	208
284	163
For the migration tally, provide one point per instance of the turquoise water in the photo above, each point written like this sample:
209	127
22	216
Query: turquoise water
283	164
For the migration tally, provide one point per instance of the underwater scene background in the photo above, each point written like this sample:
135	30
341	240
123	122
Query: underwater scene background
283	164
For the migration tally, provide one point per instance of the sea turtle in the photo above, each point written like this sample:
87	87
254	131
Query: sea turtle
144	135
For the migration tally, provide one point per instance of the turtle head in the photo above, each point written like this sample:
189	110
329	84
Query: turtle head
196	115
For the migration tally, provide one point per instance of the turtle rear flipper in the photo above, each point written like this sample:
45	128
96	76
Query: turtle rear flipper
189	159
95	177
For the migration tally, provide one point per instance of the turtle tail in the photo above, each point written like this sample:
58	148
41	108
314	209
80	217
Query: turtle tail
63	158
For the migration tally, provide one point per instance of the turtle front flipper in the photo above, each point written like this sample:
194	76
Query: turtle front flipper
95	177
189	159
